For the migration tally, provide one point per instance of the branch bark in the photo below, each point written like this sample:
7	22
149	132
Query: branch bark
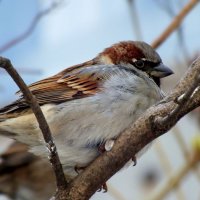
131	141
31	100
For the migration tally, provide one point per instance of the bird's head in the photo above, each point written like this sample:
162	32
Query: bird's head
139	55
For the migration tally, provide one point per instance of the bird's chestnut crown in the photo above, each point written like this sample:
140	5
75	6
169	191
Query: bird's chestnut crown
140	55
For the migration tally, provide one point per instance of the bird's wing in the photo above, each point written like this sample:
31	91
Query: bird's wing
73	83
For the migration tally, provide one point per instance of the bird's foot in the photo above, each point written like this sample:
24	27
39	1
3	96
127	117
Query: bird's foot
78	169
134	159
104	187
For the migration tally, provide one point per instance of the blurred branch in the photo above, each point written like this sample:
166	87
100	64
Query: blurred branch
166	165
163	158
176	178
31	28
31	100
183	148
175	23
116	194
132	140
135	19
181	142
167	6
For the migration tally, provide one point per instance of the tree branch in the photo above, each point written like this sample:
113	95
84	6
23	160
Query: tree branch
175	23
133	139
181	101
31	100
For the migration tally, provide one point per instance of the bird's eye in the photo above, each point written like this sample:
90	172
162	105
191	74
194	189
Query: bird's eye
139	64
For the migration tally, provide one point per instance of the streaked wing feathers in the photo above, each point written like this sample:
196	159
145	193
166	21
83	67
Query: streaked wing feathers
72	83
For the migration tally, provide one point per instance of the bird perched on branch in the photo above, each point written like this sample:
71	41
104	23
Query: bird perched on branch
90	103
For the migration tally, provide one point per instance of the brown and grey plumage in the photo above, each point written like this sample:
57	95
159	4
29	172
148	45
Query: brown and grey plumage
89	103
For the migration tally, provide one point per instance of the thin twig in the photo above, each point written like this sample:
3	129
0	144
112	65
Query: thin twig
175	23
30	29
32	101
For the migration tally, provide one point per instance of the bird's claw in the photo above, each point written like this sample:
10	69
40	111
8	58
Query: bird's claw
134	159
103	187
78	169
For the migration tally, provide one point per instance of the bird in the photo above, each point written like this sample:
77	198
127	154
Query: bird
90	103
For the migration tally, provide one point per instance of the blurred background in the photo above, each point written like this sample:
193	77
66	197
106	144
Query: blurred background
42	37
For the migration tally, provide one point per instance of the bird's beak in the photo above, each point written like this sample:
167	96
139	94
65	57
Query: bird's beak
161	71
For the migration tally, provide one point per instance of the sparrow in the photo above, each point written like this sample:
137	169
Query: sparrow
90	103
